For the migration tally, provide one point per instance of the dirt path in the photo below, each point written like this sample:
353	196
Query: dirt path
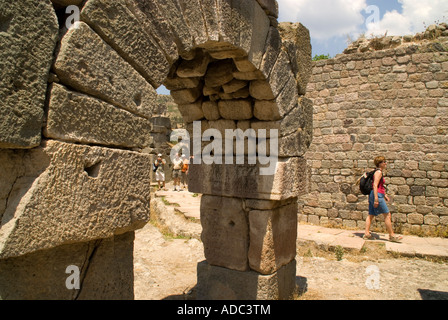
166	268
385	279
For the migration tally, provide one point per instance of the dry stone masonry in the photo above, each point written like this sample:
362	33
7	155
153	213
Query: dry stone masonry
387	96
79	109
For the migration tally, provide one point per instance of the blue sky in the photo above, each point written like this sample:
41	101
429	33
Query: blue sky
333	22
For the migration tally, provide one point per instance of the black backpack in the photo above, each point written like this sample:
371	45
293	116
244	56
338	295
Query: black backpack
366	182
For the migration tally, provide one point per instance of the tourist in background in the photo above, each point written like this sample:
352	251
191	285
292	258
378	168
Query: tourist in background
159	164
377	202
184	172
177	167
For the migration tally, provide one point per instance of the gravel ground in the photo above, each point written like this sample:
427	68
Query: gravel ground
165	268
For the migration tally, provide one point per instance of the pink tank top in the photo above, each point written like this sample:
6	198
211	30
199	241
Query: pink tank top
381	187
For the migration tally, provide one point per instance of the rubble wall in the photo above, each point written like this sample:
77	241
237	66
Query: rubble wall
387	96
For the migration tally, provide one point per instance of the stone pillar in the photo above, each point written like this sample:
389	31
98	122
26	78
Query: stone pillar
249	230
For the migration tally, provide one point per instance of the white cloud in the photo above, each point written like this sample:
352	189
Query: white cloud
325	18
416	14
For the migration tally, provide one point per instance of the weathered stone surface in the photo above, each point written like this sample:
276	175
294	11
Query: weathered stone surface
273	235
280	74
272	50
210	11
219	73
211	111
266	110
122	30
76	194
194	17
234	86
192	112
66	3
245	25
270	7
186	96
153	20
295	129
197	67
261	90
86	63
28	34
75	117
244	65
299	140
171	12
235	109
177	83
19	169
216	283
225	232
245	181
106	272
297	41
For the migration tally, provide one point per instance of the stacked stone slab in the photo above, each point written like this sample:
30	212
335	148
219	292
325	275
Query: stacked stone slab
83	104
391	102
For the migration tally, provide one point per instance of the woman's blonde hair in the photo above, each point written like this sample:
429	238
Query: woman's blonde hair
379	160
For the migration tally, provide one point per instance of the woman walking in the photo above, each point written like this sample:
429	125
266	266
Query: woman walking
377	202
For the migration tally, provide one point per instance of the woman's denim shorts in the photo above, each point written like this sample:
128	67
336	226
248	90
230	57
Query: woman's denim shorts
382	208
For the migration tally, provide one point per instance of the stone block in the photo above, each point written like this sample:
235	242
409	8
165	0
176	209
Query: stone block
271	51
73	193
266	110
281	74
216	283
173	82
273	235
186	96
270	7
235	109
261	90
105	272
234	86
210	11
296	142
192	112
124	32
245	181
197	67
89	65
28	35
193	14
154	21
75	117
219	73
225	232
211	110
297	41
245	25
171	12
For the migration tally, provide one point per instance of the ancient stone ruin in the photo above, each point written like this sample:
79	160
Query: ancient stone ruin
76	110
384	96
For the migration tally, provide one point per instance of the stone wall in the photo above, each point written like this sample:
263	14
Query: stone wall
391	102
79	107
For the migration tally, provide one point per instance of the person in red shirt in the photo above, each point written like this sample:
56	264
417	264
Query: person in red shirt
377	202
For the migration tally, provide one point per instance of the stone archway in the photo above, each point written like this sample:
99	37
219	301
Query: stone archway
228	66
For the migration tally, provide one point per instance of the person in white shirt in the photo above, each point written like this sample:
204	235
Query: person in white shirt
159	166
177	167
